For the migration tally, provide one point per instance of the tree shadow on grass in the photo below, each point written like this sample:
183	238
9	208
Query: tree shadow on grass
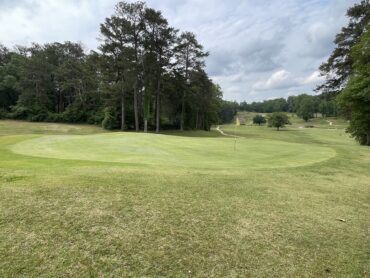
193	133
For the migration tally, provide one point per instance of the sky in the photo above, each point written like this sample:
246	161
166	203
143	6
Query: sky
259	49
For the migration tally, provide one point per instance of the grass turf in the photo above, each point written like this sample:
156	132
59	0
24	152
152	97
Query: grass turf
183	204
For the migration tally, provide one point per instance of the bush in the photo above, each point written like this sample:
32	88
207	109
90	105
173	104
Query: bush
42	117
110	120
3	114
55	118
95	118
74	114
20	113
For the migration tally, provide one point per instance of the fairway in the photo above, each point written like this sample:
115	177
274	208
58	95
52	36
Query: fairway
77	201
189	139
165	151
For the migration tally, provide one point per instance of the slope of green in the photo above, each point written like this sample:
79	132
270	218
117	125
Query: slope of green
79	203
171	151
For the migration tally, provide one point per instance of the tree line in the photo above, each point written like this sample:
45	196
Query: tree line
145	75
304	105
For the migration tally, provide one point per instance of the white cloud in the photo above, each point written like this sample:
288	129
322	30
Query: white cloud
284	79
314	78
279	79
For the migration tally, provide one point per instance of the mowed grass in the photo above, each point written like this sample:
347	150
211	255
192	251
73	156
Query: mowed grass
174	151
79	202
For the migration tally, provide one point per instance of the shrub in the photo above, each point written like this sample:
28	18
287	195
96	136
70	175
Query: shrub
42	117
3	114
20	113
110	119
55	118
95	118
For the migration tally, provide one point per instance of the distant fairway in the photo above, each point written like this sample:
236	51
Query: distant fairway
165	150
77	201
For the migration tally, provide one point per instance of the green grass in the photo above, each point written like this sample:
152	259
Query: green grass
80	202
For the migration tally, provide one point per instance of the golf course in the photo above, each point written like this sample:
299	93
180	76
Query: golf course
79	201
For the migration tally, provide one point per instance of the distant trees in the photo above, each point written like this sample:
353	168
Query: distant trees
228	111
267	106
278	120
145	75
355	98
306	106
259	120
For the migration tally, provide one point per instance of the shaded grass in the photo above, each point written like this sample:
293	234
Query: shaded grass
92	219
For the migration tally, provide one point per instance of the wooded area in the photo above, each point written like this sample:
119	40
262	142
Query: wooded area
146	74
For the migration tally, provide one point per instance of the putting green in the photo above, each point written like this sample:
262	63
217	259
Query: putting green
165	150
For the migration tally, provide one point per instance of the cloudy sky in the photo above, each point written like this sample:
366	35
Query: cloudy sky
260	49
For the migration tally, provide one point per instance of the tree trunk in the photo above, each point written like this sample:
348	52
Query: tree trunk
60	102
123	110
278	128
182	113
136	112
368	138
146	125
197	120
37	93
158	107
183	97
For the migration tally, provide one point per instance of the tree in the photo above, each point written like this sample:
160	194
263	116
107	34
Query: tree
355	98
306	107
8	79
205	98
190	56
159	41
228	111
339	66
259	120
278	120
122	50
116	59
132	14
36	83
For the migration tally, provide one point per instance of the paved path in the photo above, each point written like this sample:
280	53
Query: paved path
225	134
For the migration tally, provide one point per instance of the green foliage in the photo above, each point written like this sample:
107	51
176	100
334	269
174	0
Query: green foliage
306	107
20	112
3	113
228	111
328	108
8	79
110	119
355	98
267	106
293	104
259	120
278	120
